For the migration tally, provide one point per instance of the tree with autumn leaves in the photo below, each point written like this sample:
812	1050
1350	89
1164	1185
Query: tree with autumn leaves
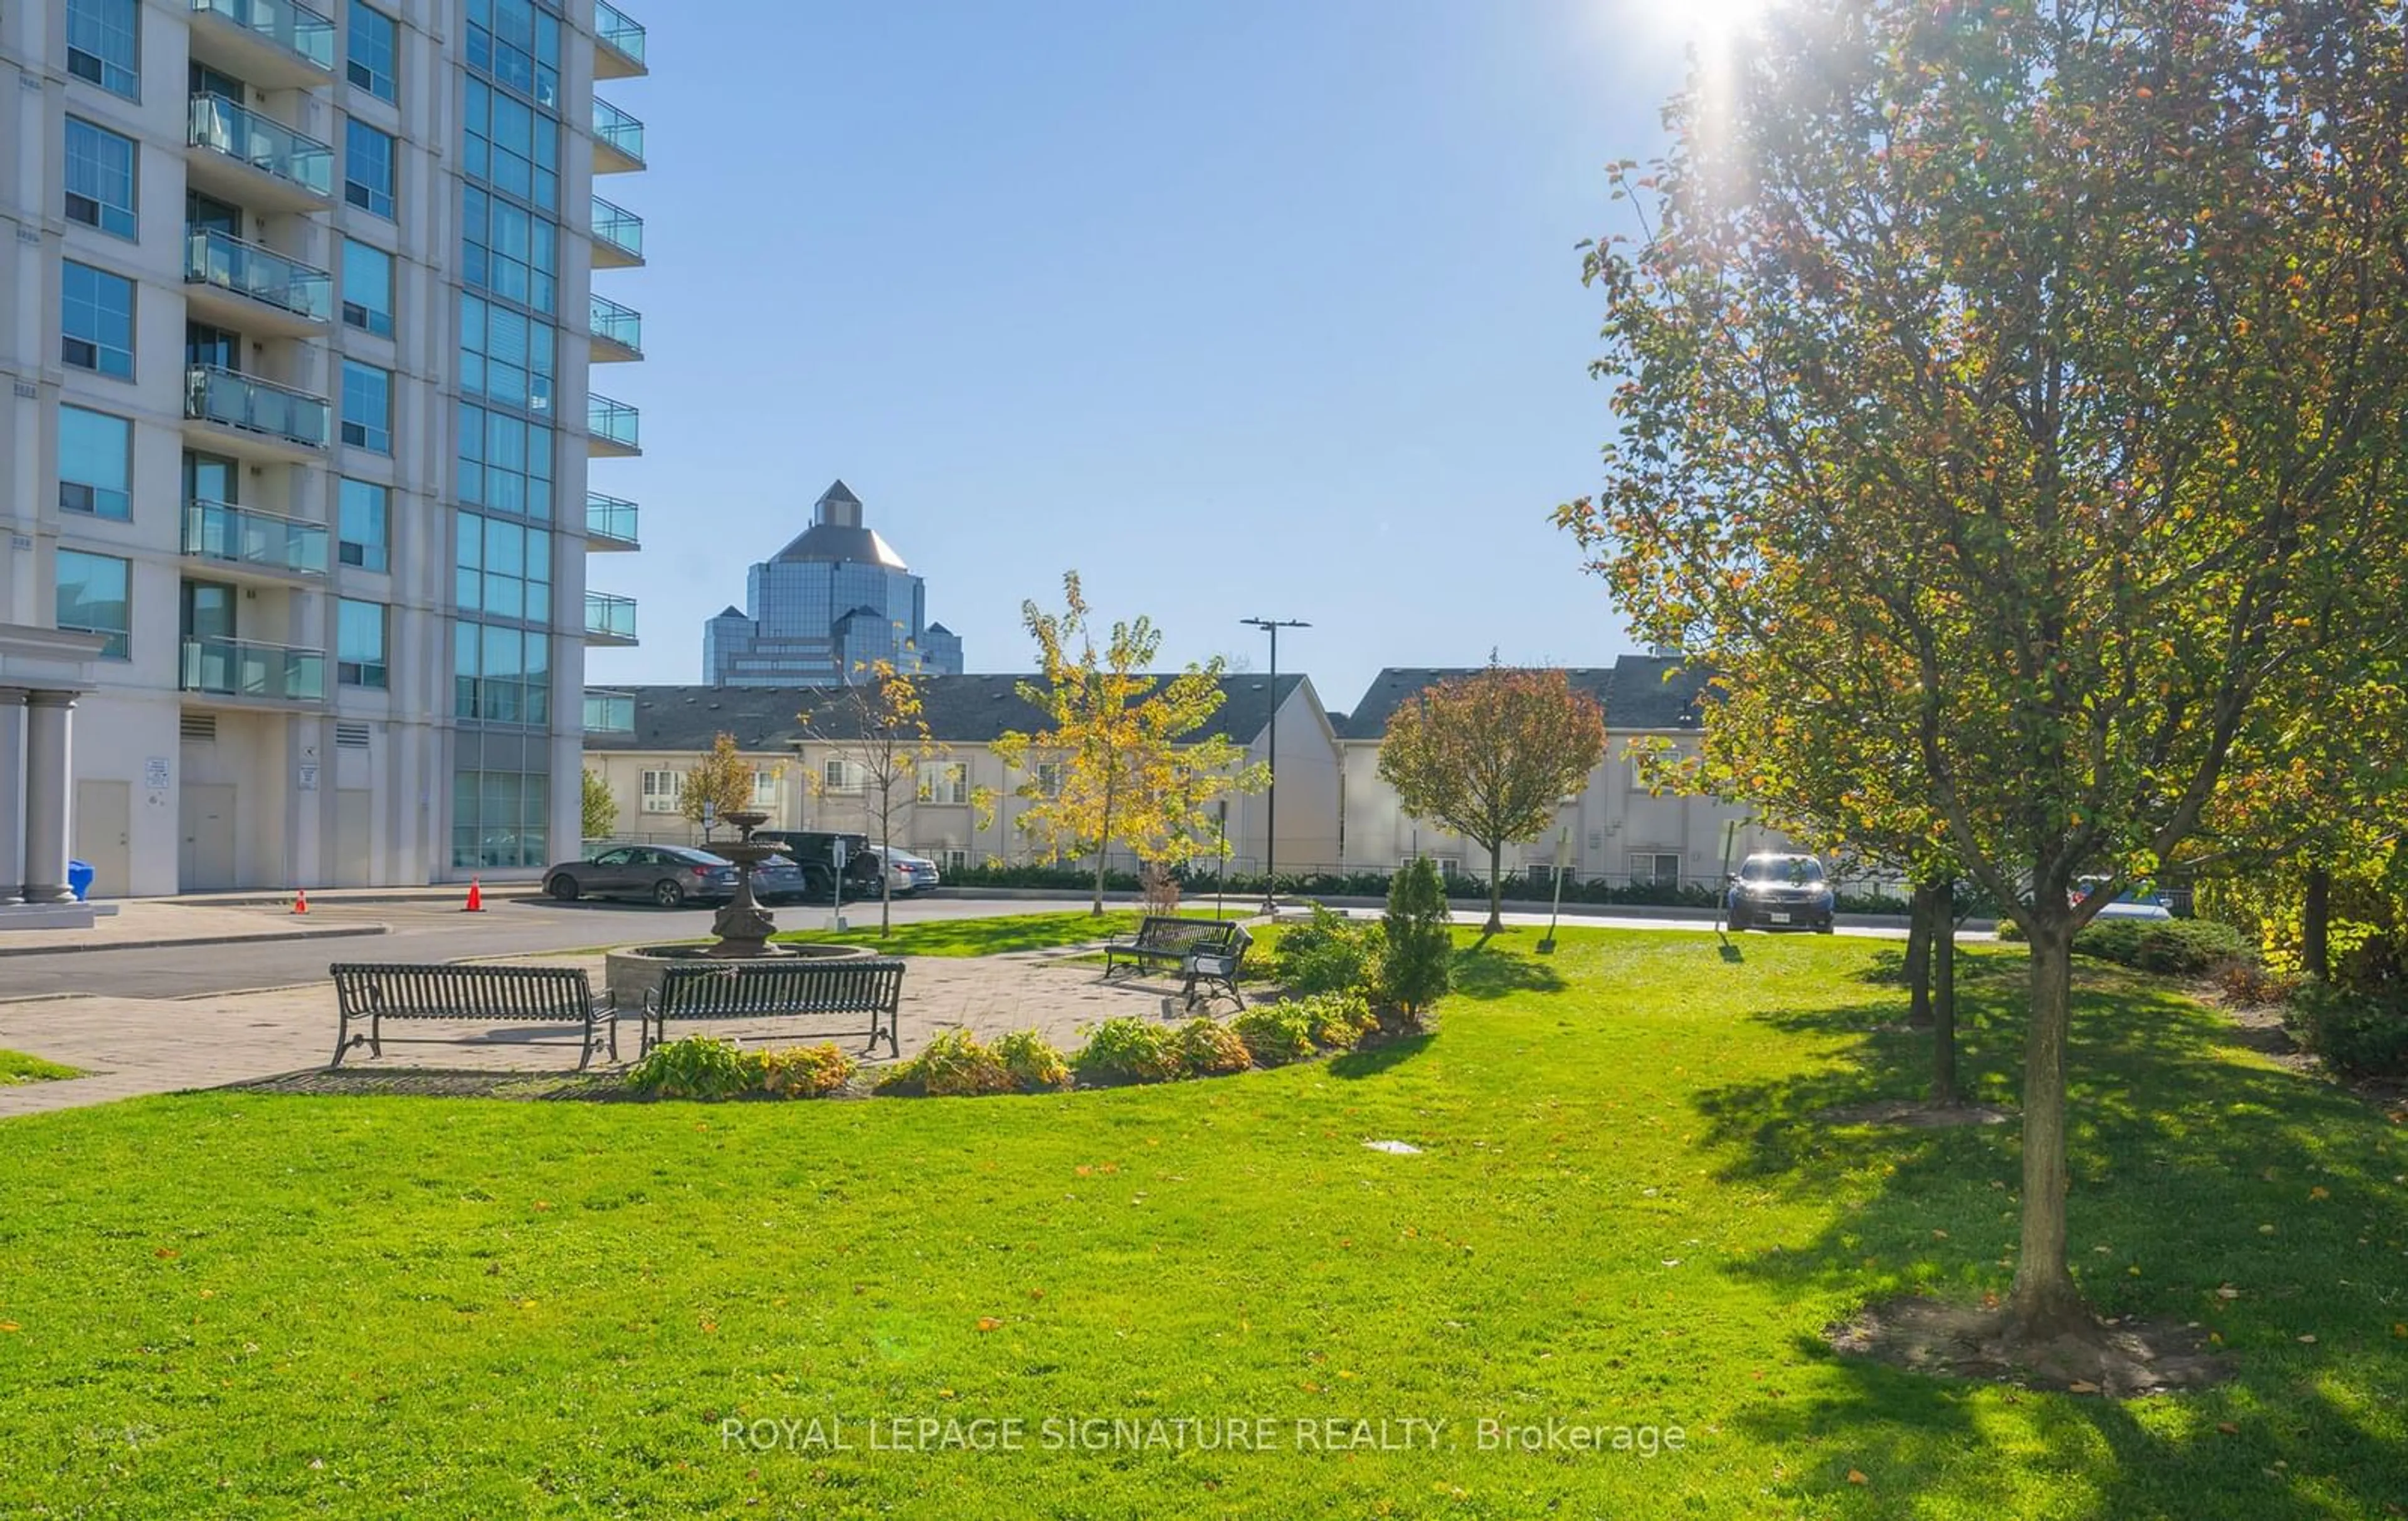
1492	756
878	726
1126	757
2023	387
716	785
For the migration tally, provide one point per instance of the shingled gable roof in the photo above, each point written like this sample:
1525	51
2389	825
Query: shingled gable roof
960	709
1634	690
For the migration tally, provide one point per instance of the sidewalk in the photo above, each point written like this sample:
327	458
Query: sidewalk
148	923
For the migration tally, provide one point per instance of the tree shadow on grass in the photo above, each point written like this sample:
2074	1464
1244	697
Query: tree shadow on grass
2182	1147
1374	1060
1490	971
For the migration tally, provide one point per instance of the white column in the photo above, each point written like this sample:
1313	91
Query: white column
47	757
12	794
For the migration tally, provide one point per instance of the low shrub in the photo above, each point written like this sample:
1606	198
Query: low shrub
958	1065
1032	1062
2178	947
1275	1033
696	1067
2243	981
2362	1033
1332	954
1338	1021
1128	1049
806	1071
1208	1048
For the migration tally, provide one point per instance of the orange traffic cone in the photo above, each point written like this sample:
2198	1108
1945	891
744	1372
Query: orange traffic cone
476	898
301	900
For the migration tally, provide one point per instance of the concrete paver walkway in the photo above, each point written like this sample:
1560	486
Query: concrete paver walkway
133	1046
156	922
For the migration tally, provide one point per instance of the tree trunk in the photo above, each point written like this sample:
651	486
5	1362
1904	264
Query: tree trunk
2315	922
1942	955
1097	907
1495	889
1918	955
885	870
2045	1302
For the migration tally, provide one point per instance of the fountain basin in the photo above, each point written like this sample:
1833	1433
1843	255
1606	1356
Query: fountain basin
634	973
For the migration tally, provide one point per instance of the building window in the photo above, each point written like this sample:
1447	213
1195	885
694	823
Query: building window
951	858
95	464
368	288
508	251
105	44
97	320
368	407
1049	779
500	675
501	568
947	784
1649	868
505	357
369	168
359	643
512	147
765	791
374	43
361	513
100	179
514	43
661	791
94	597
837	776
500	818
505	462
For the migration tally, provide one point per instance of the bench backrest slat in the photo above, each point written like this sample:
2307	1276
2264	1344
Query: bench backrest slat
396	990
1159	933
854	984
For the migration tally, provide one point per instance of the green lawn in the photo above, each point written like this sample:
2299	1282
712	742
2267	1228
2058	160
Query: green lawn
971	937
16	1067
229	1304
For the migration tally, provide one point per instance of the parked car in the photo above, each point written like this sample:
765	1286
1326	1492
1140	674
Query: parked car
2137	901
1774	891
778	879
669	875
908	873
814	851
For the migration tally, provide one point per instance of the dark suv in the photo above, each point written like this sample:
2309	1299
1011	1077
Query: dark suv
1774	891
815	850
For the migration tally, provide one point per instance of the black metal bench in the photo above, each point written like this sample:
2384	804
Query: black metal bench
1163	938
376	992
1217	969
706	990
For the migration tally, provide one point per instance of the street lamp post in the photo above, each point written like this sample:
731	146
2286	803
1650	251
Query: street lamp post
1271	792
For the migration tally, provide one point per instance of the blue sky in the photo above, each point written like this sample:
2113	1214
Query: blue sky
1239	308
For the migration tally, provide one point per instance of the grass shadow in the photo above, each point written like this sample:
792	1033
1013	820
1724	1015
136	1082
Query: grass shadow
1373	1060
1486	969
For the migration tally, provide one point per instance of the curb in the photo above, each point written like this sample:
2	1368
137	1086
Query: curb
344	932
340	898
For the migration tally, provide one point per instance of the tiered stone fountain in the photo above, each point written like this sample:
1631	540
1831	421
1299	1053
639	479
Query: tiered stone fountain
742	925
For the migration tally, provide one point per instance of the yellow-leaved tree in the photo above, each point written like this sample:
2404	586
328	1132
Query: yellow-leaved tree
716	785
1123	758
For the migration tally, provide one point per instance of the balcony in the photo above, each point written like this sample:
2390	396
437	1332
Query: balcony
618	140
618	236
267	673
255	289
610	429
621	53
246	539
609	620
241	156
275	44
285	423
610	523
610	712
618	331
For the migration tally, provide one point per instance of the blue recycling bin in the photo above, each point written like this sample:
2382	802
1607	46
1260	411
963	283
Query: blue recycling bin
79	879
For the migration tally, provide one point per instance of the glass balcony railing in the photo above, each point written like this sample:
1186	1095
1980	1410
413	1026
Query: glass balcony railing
219	531
220	395
240	668
610	712
617	129
295	28
215	258
610	517
615	323
613	422
268	146
618	227
617	33
610	617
